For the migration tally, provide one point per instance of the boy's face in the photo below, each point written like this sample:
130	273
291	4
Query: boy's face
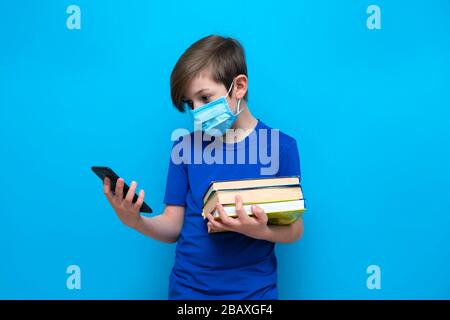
203	89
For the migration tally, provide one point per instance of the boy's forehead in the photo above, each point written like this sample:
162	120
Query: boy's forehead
202	81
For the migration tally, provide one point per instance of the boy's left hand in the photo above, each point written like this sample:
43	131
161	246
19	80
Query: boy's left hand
251	226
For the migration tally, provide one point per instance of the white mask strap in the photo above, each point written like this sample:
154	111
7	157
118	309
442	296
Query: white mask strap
238	106
229	90
239	101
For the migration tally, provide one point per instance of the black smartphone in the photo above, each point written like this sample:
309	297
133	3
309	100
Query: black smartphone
103	172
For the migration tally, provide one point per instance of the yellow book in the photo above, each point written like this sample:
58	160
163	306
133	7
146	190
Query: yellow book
279	213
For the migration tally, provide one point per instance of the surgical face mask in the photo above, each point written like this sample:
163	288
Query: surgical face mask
215	117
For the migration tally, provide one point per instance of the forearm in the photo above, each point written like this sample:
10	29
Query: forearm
160	228
284	234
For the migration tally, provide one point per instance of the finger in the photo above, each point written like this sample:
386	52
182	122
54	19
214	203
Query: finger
259	213
210	218
131	191
215	224
226	220
140	200
119	189
107	189
242	215
212	229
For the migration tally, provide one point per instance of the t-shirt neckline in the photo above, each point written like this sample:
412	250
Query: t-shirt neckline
241	144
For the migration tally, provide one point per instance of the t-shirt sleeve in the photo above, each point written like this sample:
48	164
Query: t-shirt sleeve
177	183
289	160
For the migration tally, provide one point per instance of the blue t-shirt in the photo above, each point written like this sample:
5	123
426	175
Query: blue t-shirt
224	265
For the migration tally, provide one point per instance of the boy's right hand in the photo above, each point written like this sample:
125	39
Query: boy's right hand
126	210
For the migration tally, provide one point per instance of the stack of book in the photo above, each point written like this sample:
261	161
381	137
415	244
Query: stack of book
280	197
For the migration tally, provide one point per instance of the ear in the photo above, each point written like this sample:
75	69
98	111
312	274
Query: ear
240	86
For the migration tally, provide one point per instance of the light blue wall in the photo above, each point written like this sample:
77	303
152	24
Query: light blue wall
369	109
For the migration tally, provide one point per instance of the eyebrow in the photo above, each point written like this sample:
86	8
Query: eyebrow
201	90
198	92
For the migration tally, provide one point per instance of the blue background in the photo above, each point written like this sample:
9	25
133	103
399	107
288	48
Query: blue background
369	110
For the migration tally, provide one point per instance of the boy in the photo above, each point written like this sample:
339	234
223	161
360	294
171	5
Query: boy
230	258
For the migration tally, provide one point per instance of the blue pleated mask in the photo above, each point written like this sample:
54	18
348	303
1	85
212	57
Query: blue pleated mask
215	117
